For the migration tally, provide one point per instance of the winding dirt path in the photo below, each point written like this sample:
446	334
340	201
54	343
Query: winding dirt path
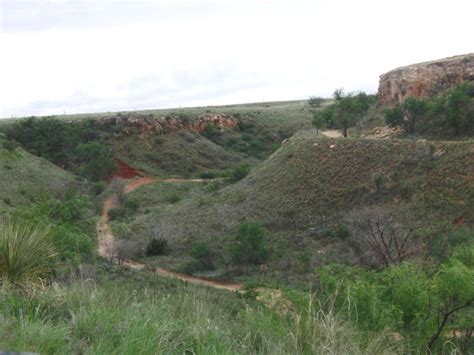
106	238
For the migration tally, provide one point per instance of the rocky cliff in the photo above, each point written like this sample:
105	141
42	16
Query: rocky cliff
425	79
144	124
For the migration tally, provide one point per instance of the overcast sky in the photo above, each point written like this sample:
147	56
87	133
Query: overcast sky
110	55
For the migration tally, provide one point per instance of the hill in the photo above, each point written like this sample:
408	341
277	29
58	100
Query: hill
24	177
305	192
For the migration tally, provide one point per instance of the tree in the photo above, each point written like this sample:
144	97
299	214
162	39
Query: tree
315	101
384	237
319	120
349	109
394	116
454	287
457	117
202	252
414	109
250	245
96	160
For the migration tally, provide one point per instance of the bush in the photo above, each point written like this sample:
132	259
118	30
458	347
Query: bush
173	197
315	101
26	251
157	246
204	256
117	213
250	245
9	145
239	172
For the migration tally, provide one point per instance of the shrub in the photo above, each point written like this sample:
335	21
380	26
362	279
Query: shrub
157	246
9	145
117	213
131	204
379	182
173	197
315	101
203	254
213	186
26	251
208	175
250	245
239	172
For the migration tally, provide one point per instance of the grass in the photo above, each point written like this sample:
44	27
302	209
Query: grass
139	313
263	127
26	251
23	177
174	154
309	185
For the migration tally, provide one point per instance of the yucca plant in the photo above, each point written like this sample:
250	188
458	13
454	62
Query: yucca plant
26	251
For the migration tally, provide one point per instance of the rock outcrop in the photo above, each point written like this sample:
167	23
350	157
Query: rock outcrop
147	124
425	79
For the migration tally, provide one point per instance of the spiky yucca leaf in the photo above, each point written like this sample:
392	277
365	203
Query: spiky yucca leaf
26	251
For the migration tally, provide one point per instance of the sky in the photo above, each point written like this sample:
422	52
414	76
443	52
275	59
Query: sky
77	56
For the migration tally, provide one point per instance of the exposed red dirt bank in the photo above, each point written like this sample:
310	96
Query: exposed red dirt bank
125	171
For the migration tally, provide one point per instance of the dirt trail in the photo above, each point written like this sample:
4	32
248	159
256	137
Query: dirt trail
332	133
106	239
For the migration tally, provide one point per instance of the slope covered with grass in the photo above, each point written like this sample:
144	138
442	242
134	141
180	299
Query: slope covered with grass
305	191
24	177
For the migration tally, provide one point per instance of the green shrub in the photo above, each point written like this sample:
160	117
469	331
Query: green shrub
315	101
250	245
239	172
208	175
173	197
337	232
117	213
203	254
213	186
379	182
131	204
157	246
9	145
26	251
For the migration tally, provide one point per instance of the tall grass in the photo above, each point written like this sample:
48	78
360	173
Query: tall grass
26	251
155	317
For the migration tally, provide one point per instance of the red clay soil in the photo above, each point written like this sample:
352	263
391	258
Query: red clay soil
125	171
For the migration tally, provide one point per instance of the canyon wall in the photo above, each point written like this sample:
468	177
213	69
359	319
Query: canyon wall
145	124
424	79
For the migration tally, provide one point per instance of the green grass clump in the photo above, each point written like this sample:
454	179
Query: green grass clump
26	251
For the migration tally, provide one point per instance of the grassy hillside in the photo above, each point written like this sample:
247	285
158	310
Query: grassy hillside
260	130
23	177
304	193
182	154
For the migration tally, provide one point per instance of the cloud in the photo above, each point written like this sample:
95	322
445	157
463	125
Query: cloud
86	56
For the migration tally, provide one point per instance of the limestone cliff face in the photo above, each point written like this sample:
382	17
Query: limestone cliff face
146	124
425	79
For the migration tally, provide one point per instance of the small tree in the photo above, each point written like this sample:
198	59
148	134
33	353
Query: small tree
318	120
384	237
454	287
414	110
315	101
349	109
203	254
250	245
394	116
157	246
